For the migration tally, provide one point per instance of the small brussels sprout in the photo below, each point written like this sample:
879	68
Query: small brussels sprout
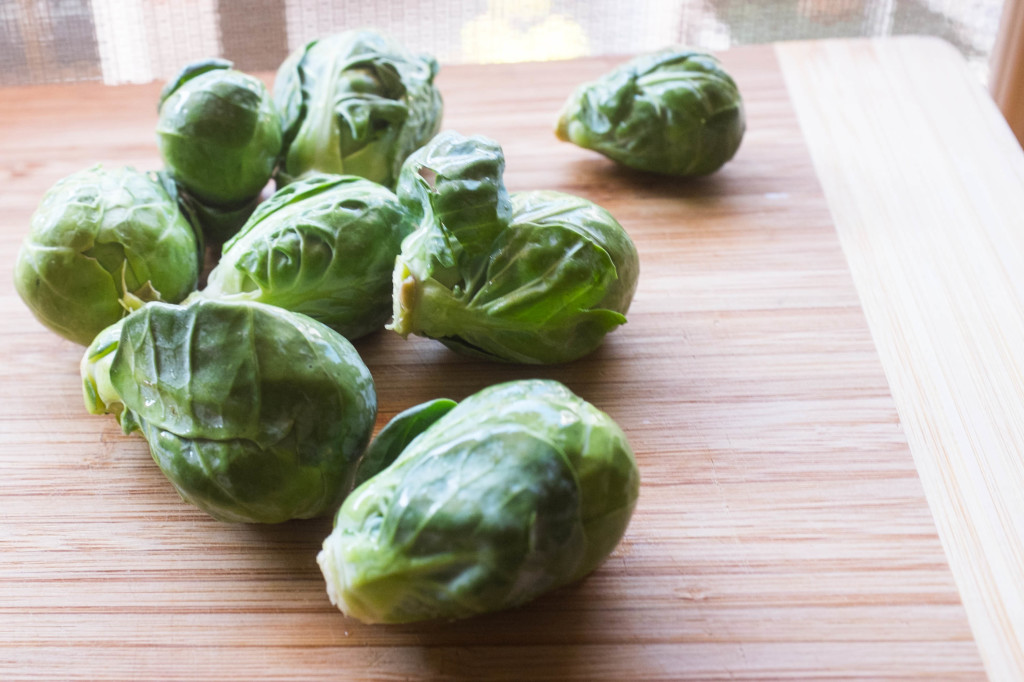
254	413
220	136
355	103
101	242
533	277
675	112
324	246
520	489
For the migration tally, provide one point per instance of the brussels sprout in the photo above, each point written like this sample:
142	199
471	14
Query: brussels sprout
220	136
355	103
535	277
100	242
324	246
520	489
675	112
253	412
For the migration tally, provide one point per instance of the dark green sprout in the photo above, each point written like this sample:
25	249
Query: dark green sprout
220	137
532	277
254	413
355	103
675	112
518	490
324	246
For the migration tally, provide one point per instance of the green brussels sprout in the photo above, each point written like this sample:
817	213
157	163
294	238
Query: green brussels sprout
520	489
675	112
220	136
534	277
101	242
254	413
355	103
324	246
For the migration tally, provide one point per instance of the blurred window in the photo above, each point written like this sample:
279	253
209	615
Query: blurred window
126	41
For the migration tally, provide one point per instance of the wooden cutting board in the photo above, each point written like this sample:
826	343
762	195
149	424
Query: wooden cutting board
820	377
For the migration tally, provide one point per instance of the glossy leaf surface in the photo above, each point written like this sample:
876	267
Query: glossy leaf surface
676	112
355	103
324	246
99	238
521	488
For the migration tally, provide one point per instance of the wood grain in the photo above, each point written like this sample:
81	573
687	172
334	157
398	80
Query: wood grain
926	185
782	530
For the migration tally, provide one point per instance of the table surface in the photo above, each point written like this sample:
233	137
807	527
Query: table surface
821	377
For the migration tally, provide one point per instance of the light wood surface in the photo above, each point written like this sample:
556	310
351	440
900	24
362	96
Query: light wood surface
1006	78
783	530
926	186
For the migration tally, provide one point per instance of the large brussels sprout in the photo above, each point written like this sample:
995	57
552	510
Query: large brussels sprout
101	241
520	489
324	246
355	103
532	277
253	412
675	112
220	136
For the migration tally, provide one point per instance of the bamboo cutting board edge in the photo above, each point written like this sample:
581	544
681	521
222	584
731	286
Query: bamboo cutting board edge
925	183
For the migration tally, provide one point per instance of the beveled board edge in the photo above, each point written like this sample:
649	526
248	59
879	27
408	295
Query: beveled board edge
925	183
